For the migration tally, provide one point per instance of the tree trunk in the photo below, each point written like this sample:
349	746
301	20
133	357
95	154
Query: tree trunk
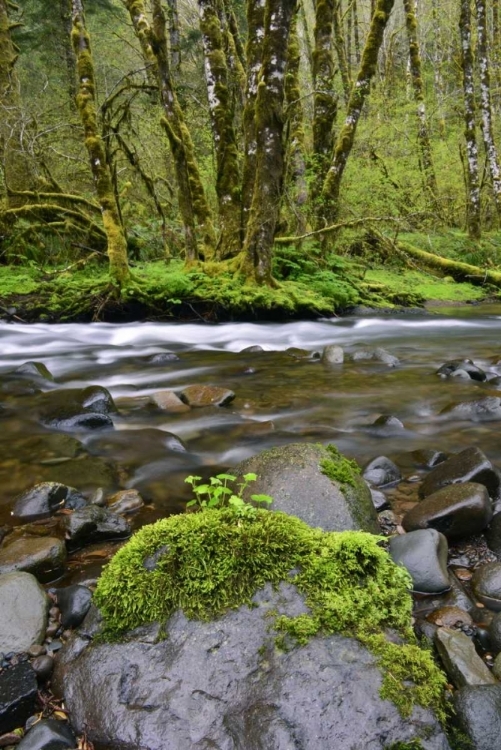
268	183
473	188
359	93
86	105
325	98
68	54
356	32
222	113
174	37
417	85
496	48
343	52
485	103
438	61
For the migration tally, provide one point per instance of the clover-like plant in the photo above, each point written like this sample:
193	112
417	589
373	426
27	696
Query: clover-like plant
217	494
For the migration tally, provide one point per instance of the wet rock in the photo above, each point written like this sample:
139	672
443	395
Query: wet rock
93	524
34	370
376	355
479	711
470	465
495	632
43	666
48	734
206	395
387	425
493	534
233	687
332	355
74	409
486	585
480	410
424	554
379	500
43	557
296	353
23	612
292	475
496	667
254	349
74	603
125	501
169	402
466	366
462	663
428	458
46	498
450	617
163	358
381	472
18	692
457	510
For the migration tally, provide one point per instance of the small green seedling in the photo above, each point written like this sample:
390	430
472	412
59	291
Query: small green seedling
217	494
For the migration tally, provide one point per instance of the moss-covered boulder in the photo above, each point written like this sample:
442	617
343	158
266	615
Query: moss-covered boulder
251	631
314	483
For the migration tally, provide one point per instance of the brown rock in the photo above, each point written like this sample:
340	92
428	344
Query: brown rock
207	395
448	617
168	401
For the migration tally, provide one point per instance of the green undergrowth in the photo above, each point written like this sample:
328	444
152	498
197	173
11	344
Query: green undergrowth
339	468
208	562
425	286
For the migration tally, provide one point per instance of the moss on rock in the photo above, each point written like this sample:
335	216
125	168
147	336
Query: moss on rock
339	468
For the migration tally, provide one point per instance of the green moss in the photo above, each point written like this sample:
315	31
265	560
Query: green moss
338	468
425	286
410	745
212	561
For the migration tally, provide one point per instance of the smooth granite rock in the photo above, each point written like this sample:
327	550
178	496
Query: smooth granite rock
460	659
332	354
470	465
292	475
42	556
457	510
18	693
381	471
486	585
224	684
424	554
479	711
23	612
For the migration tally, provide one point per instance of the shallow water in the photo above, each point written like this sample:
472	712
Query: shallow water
279	398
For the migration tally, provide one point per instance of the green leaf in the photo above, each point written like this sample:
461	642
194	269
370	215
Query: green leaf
227	477
262	499
202	488
215	480
251	477
191	503
192	479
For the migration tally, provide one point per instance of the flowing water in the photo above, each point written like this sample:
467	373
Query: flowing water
279	398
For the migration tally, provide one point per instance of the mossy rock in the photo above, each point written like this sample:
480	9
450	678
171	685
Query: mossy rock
314	483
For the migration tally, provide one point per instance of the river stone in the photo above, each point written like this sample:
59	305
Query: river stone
162	357
332	355
495	632
42	556
74	603
206	395
379	500
169	402
387	425
124	501
78	408
428	458
462	663
46	498
478	709
34	370
449	617
224	684
23	612
18	693
486	585
378	355
381	471
93	524
493	534
292	475
424	554
43	666
485	409
457	510
48	734
450	369
470	465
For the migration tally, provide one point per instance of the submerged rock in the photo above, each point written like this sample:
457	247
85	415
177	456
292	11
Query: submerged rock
298	479
332	354
466	366
43	557
23	612
206	395
481	410
376	355
74	409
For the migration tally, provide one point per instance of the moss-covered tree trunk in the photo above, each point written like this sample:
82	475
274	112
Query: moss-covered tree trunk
270	163
67	50
174	37
360	90
235	53
485	103
296	187
343	50
496	49
356	32
15	162
222	114
325	99
86	105
193	205
418	88
473	187
254	55
437	56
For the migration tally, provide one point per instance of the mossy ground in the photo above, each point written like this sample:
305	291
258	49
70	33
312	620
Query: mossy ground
208	562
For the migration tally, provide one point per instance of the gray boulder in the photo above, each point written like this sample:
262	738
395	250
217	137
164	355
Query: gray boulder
224	684
424	554
332	354
457	510
23	612
470	465
292	475
381	471
479	711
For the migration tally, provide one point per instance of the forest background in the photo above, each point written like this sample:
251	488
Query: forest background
250	159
